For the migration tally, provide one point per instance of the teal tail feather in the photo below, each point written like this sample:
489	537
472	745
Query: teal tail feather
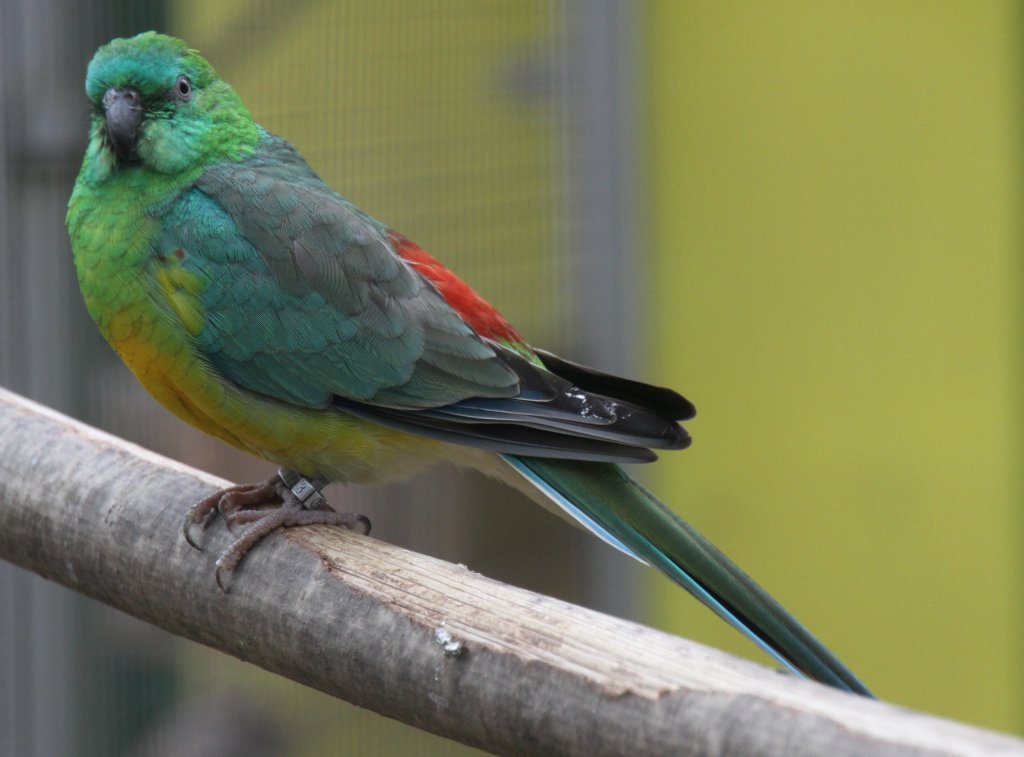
607	502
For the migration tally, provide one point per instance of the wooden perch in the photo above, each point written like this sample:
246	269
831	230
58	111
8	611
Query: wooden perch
416	639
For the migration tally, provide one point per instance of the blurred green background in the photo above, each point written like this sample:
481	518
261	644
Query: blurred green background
802	215
835	197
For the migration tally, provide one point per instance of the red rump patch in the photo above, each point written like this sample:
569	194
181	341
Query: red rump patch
473	308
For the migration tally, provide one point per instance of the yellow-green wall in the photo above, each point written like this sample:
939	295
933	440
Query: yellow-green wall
835	281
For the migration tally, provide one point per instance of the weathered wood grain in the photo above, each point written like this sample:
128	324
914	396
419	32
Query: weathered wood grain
409	636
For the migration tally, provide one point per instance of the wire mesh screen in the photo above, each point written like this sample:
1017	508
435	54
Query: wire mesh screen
476	129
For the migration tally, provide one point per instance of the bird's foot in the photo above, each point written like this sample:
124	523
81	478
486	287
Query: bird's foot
230	500
287	499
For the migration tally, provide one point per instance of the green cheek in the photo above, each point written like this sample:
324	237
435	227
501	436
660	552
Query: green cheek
169	148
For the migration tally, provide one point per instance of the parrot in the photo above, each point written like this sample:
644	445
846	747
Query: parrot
259	305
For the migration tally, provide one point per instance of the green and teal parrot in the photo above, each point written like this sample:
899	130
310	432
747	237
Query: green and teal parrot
259	305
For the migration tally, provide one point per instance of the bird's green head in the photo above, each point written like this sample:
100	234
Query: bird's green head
160	106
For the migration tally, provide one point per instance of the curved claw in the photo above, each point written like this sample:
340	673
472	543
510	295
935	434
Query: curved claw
218	576
362	519
186	529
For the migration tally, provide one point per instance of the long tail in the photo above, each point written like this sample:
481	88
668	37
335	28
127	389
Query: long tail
607	502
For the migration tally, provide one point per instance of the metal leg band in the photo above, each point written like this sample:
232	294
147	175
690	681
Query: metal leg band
305	490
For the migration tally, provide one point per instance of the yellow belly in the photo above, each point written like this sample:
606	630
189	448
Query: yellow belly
327	442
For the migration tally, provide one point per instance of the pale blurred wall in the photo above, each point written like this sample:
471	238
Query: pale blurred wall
835	281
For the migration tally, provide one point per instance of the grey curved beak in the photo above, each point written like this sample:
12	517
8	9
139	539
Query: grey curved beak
123	111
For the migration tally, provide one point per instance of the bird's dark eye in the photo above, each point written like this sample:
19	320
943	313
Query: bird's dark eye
183	88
